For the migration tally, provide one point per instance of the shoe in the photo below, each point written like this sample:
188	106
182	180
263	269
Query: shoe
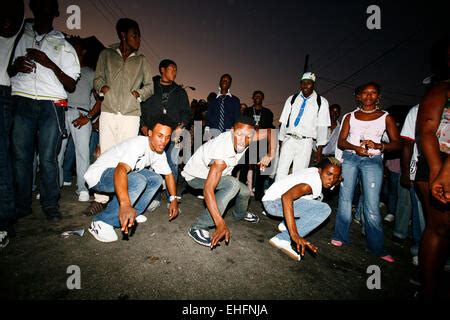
388	258
337	243
141	218
389	217
282	227
415	261
264	213
251	217
200	196
94	208
285	246
103	232
84	196
38	196
53	214
4	239
67	183
153	205
200	236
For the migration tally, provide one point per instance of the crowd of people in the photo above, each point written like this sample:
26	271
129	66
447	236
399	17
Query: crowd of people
131	130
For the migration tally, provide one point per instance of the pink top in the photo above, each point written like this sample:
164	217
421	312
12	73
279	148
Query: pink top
366	130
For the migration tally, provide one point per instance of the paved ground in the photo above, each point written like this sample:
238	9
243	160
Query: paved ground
161	262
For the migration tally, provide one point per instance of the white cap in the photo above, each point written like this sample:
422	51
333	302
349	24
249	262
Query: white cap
309	76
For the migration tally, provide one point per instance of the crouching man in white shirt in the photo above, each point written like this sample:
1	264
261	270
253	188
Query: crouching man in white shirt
293	198
210	169
125	171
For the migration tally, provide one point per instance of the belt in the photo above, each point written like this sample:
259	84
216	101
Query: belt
61	103
298	137
79	108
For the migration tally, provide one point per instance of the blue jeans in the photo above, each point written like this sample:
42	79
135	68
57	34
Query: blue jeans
95	139
309	214
7	208
142	186
228	188
81	138
393	186
408	207
39	119
69	160
371	175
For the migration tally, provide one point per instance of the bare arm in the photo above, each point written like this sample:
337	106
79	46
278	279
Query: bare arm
127	214
288	199
213	179
172	188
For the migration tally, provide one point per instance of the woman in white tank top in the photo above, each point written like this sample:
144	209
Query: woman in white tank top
360	139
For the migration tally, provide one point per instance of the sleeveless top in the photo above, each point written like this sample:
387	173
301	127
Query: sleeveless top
443	132
366	130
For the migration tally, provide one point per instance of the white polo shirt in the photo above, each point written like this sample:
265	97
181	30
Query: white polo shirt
314	122
219	148
309	176
43	84
134	152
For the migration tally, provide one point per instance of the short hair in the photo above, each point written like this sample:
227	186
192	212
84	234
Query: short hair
245	120
124	25
335	105
258	92
164	120
226	75
368	84
329	161
165	63
35	4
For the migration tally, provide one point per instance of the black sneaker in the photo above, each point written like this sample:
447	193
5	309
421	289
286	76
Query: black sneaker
53	214
200	236
4	239
94	208
251	217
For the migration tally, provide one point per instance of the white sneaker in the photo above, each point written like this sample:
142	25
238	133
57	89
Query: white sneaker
38	196
389	217
103	232
415	260
4	240
67	184
141	218
282	227
84	196
153	205
285	246
200	196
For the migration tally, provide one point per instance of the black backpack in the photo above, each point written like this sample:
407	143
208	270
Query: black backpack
319	103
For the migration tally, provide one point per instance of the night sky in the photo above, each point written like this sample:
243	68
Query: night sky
263	44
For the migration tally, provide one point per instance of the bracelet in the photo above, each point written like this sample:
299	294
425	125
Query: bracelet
88	116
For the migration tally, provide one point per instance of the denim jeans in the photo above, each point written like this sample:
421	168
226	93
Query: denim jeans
408	207
393	186
39	119
142	186
69	160
371	175
309	214
228	188
93	142
80	139
7	207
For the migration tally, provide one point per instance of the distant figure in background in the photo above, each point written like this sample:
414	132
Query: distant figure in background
305	117
333	134
224	110
243	107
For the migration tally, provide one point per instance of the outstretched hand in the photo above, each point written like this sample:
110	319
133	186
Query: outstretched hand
127	217
302	244
221	232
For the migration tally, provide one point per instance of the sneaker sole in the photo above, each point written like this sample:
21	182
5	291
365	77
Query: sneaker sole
197	241
98	238
289	253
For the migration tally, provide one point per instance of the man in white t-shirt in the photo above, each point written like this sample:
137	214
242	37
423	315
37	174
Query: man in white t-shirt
293	198
210	169
123	170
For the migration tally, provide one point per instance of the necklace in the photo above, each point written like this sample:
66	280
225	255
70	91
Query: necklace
37	42
371	111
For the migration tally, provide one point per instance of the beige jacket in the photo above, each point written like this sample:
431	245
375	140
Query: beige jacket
123	77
